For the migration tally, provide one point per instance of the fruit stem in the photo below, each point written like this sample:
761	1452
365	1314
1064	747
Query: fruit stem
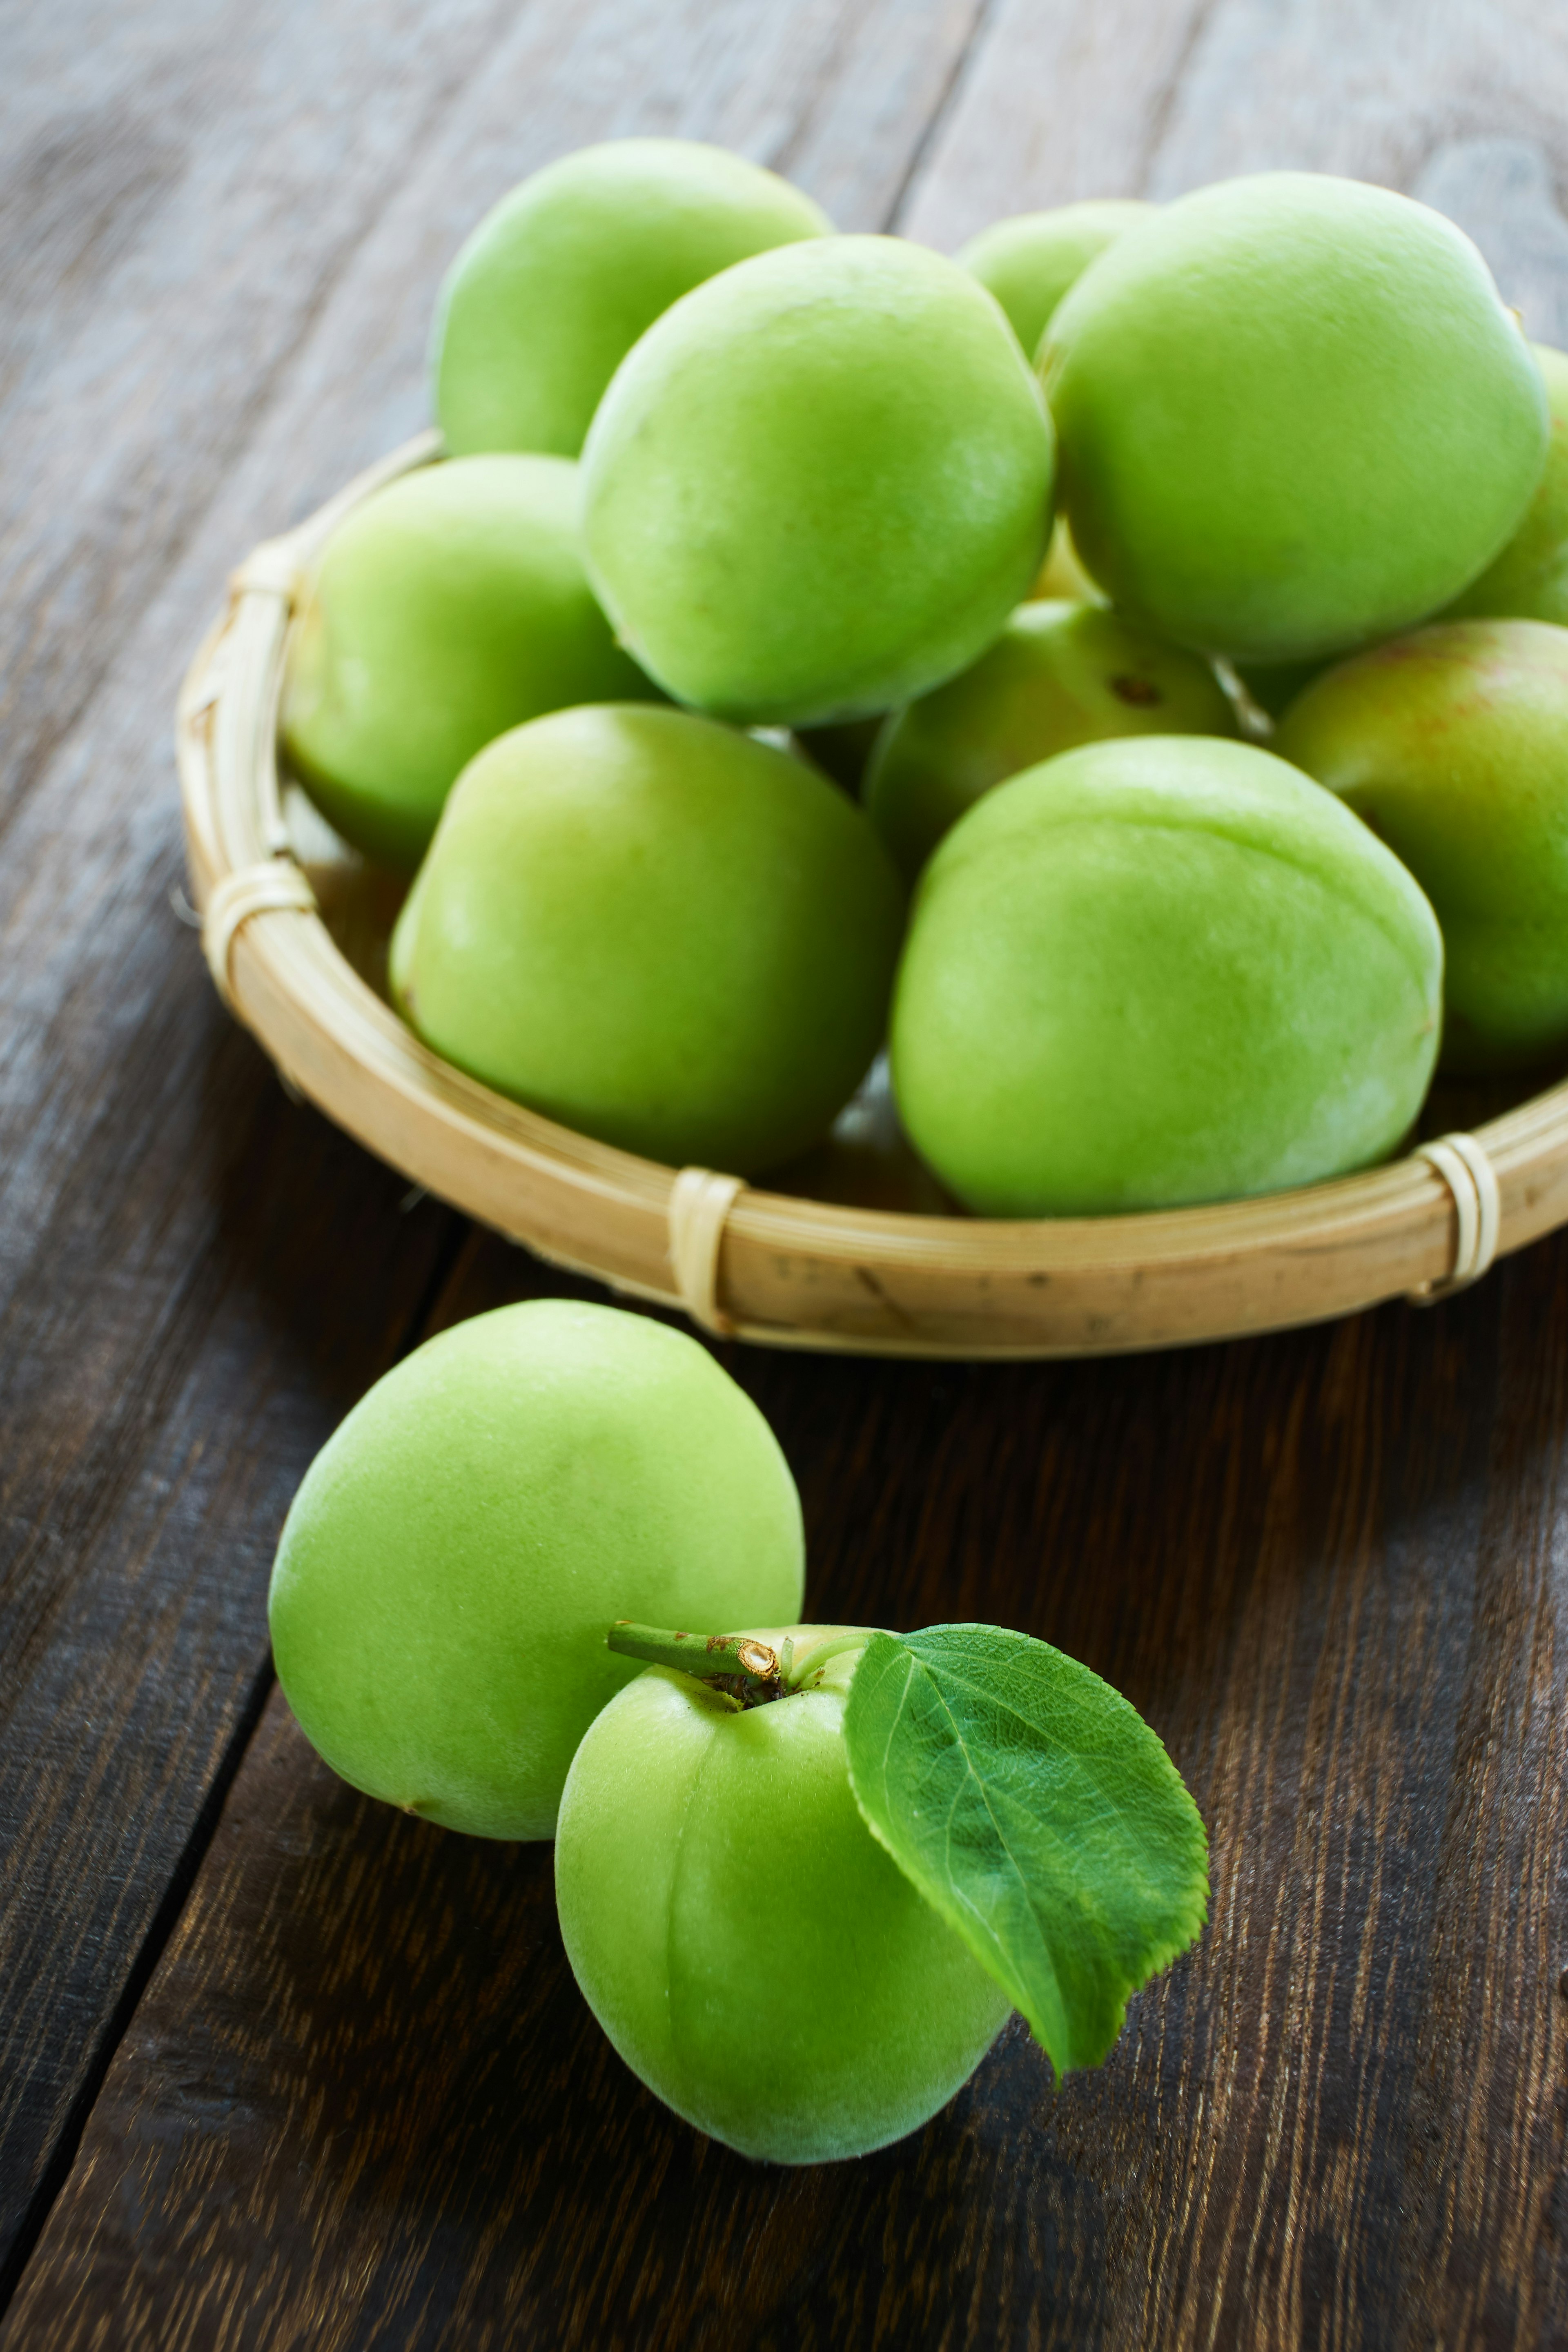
855	1638
702	1655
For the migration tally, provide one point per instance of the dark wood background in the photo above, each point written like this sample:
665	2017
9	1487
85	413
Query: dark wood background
280	2068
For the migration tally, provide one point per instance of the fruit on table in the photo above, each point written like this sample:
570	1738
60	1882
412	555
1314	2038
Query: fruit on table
1528	580
804	1873
448	606
1294	416
1030	262
819	484
447	1567
748	1947
557	282
657	930
1452	744
1060	673
1157	971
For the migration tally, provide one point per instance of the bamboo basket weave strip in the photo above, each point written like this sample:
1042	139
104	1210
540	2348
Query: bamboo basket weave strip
784	1271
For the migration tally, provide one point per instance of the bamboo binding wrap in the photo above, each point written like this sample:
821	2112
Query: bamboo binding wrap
762	1266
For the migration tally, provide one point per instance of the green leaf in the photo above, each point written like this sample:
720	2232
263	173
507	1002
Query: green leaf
1034	1808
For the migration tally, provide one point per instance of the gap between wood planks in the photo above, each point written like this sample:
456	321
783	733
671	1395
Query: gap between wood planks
166	1918
934	148
79	1234
101	645
250	426
946	106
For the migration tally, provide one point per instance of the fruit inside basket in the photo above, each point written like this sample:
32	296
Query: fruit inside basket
789	878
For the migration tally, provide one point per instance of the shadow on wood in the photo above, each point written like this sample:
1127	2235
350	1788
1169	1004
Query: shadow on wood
363	2084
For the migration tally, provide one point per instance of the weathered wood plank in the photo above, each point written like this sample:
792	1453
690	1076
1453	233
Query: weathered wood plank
220	234
176	202
361	2102
1058	103
1326	1566
242	216
1123	99
214	1287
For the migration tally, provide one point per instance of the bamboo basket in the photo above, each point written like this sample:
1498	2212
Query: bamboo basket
293	928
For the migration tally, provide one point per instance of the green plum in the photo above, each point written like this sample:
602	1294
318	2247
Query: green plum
1294	416
752	1951
819	484
1528	580
1158	971
448	1567
556	284
449	606
657	930
1452	744
1060	673
1029	262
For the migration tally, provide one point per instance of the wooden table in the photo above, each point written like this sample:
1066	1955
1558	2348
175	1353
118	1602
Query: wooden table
278	2067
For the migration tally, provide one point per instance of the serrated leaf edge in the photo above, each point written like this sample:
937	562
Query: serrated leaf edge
1187	1939
984	1945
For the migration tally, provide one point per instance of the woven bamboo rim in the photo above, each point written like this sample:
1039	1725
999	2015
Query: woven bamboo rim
767	1267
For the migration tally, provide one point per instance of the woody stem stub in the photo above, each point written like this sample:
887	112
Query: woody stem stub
705	1655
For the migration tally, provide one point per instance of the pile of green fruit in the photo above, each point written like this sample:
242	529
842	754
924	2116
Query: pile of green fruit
1024	547
805	1872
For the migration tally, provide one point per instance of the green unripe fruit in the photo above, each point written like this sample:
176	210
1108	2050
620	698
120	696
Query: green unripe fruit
749	1948
556	284
657	930
1160	970
1294	416
1452	744
819	484
1528	580
1057	675
451	1563
449	606
1028	263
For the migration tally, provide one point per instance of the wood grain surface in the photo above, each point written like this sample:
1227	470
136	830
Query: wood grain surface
362	2102
351	2097
222	227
